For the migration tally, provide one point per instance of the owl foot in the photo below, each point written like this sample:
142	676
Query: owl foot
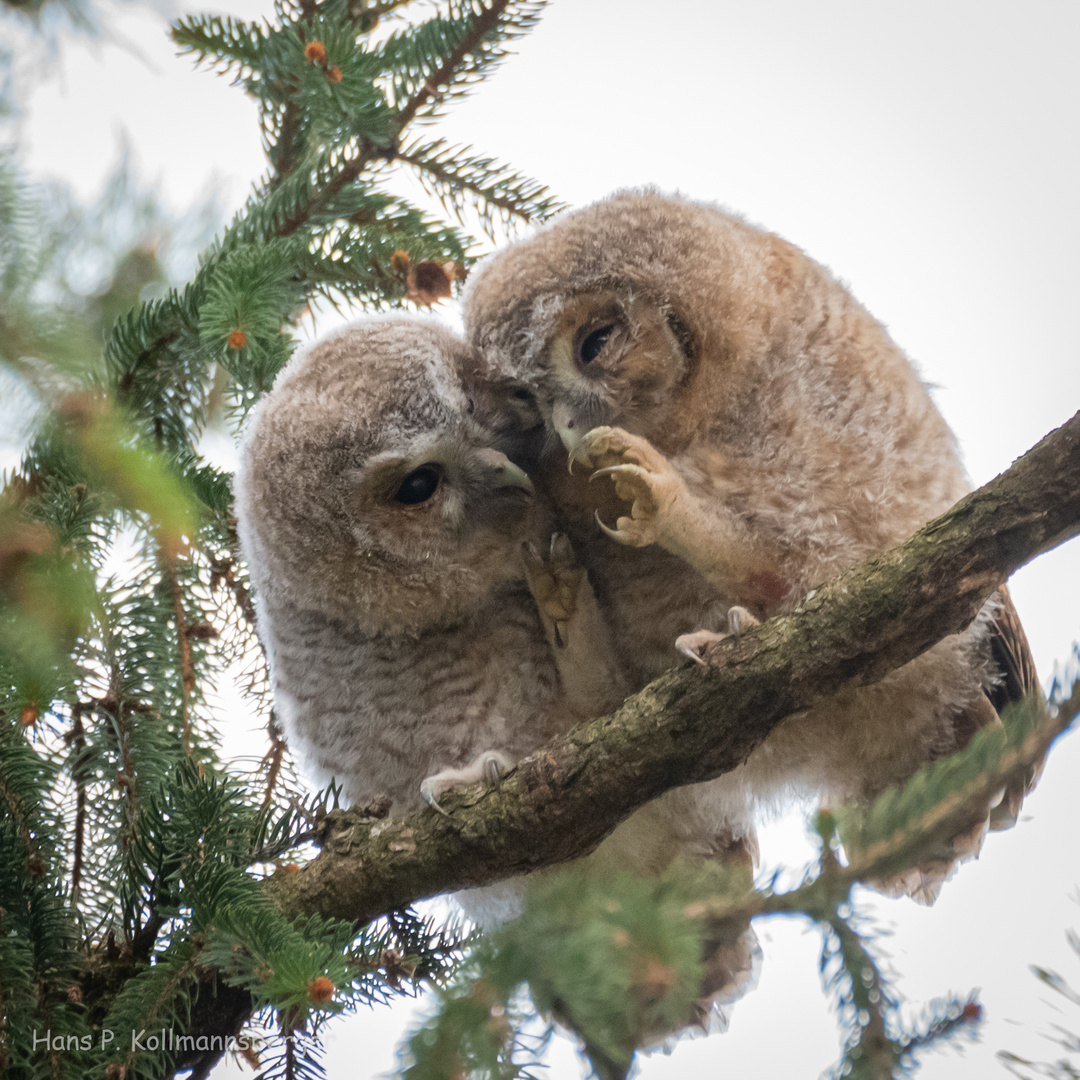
695	645
489	767
643	477
554	580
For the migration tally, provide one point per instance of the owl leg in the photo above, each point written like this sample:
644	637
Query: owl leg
489	767
555	580
575	627
695	645
706	534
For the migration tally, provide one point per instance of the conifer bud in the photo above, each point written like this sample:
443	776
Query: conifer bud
320	990
315	52
427	283
399	262
29	715
237	339
333	74
249	1054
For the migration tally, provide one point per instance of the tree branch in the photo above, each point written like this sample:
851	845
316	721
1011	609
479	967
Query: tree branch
692	725
482	25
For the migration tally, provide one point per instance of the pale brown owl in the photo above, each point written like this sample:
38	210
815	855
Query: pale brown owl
383	531
763	433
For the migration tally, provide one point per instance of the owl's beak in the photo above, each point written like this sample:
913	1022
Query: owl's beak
503	472
562	420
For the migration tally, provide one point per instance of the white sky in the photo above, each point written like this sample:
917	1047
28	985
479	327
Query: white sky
928	153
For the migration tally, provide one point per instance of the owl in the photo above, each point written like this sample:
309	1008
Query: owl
383	531
724	428
424	628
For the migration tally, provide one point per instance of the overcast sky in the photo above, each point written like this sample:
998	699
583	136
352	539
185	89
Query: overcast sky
928	153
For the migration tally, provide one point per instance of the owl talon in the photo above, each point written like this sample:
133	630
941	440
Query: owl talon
487	768
554	579
694	645
690	649
739	619
613	533
428	796
630	531
617	471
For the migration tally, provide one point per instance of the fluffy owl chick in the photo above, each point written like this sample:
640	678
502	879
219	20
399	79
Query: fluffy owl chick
767	434
383	533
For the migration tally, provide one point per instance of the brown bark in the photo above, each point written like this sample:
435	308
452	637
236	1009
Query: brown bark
693	724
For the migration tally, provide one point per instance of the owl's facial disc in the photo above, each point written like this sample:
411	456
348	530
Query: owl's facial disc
614	359
427	503
585	358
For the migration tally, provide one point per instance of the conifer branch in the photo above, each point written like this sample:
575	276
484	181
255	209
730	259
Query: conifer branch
274	757
450	172
78	739
820	897
483	24
187	670
692	725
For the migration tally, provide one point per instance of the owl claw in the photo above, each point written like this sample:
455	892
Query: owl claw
617	471
615	534
555	580
694	645
429	797
689	649
634	532
487	768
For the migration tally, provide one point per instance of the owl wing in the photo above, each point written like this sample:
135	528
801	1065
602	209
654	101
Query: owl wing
1012	656
1016	678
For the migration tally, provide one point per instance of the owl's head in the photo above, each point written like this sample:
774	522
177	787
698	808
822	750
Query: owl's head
368	492
602	315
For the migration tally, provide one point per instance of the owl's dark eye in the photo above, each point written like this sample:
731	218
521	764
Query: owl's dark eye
419	485
593	343
519	393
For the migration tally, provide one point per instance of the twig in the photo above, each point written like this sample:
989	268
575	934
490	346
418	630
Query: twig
484	23
275	755
187	672
78	771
